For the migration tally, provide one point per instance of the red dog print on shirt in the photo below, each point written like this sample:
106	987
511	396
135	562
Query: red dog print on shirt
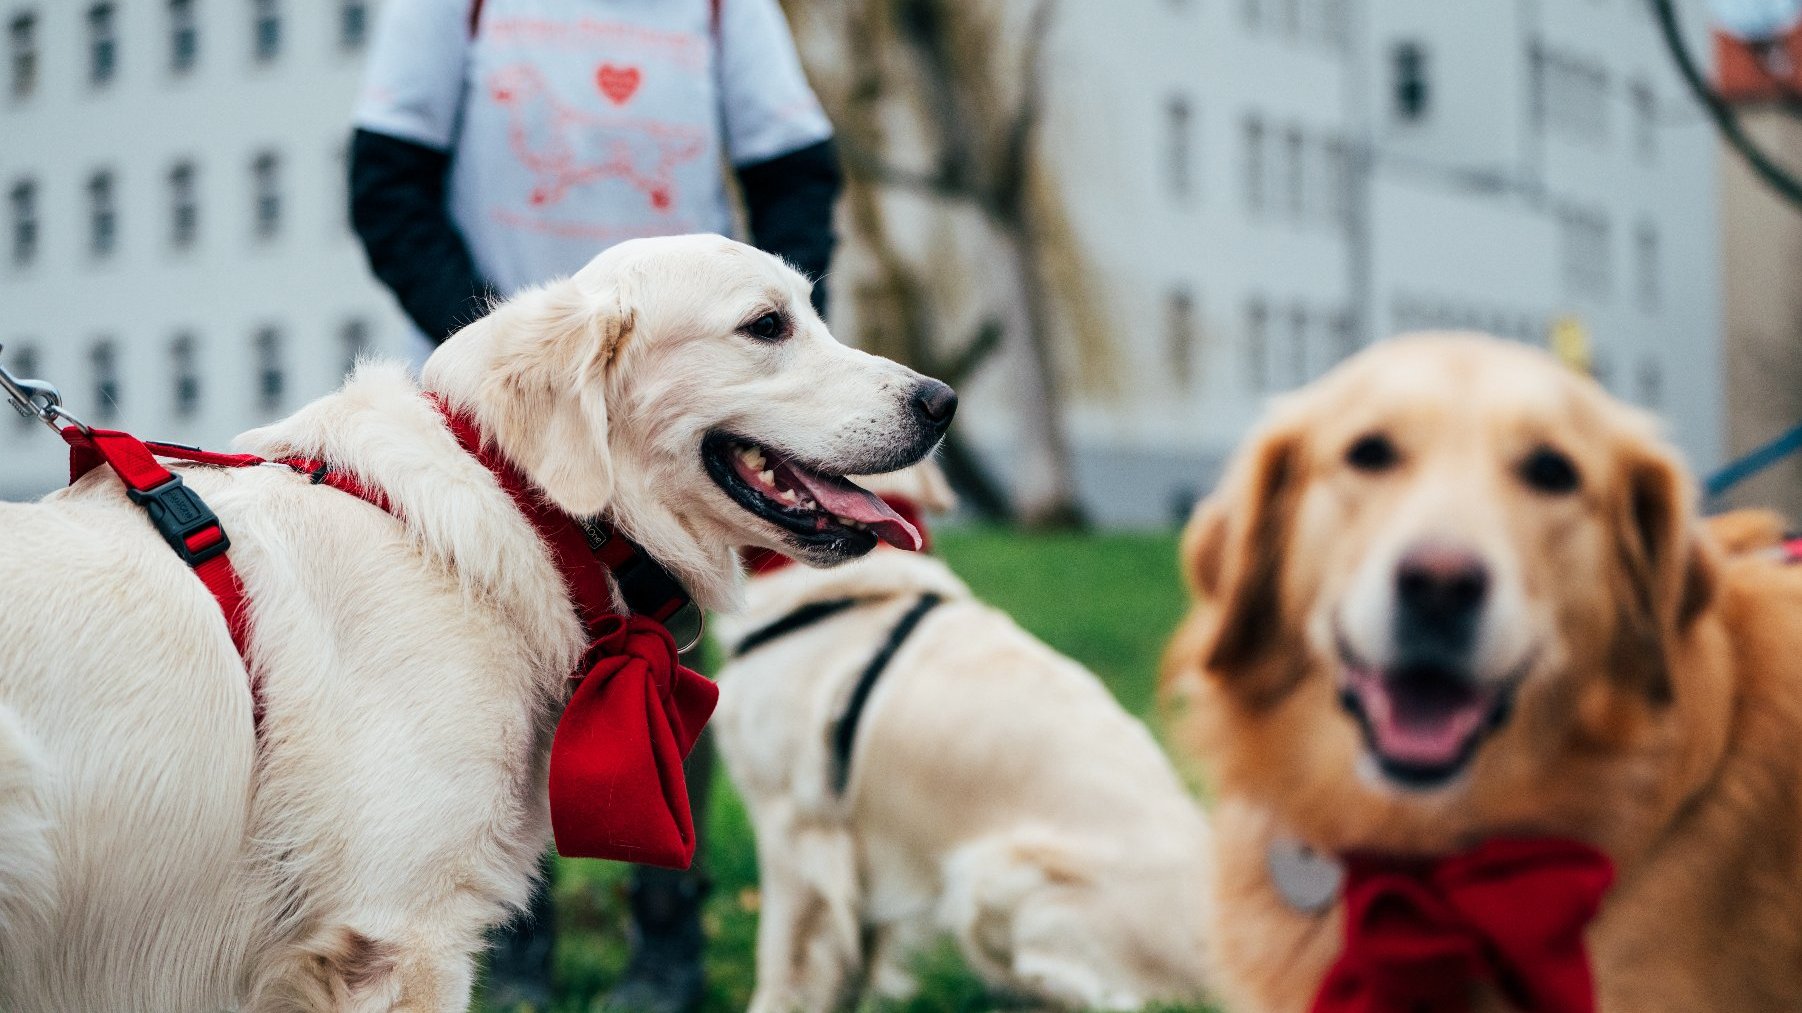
565	146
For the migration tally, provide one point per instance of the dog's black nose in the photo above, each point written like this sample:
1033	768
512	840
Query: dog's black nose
1441	584
936	402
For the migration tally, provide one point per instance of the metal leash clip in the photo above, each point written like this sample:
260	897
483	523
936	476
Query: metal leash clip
38	399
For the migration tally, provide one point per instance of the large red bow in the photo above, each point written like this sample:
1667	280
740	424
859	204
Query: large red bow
634	702
616	785
1420	934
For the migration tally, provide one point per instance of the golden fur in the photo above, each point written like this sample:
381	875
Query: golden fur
1658	720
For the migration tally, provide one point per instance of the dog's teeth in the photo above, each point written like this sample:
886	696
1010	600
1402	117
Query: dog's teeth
766	477
788	496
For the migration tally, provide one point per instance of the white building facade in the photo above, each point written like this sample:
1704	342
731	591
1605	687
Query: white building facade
1263	186
175	251
1259	187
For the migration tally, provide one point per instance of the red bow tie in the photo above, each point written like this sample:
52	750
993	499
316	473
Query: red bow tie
616	760
1420	934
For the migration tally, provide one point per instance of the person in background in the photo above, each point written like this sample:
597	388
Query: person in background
502	143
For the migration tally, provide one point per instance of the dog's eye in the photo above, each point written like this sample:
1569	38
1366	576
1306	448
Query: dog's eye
1549	471
1374	452
772	326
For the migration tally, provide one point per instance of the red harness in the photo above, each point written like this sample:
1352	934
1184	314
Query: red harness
616	785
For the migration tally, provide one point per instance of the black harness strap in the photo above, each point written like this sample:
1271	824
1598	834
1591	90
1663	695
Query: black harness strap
794	622
844	730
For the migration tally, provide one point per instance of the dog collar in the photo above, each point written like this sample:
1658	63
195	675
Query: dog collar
616	785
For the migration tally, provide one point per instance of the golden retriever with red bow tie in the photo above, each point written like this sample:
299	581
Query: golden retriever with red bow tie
1454	594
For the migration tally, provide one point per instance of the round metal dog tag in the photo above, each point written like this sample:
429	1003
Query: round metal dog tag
1307	880
687	627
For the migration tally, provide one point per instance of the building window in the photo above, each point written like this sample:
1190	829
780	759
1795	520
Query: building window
271	381
1179	124
23	203
103	215
1254	163
1413	92
1180	334
266	194
1649	384
1584	238
1292	18
1298	345
184	36
103	44
184	363
340	196
1645	245
103	360
353	24
266	28
1345	334
353	341
1257	344
25	364
1570	95
1295	172
184	206
1645	120
22	44
1337	182
1335	26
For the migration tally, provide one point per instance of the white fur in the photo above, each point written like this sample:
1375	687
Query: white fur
998	795
155	854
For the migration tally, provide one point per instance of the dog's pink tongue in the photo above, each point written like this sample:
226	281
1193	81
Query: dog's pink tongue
1434	735
837	496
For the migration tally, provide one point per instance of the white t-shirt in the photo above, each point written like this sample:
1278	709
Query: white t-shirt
576	124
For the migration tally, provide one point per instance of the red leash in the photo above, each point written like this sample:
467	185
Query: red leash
616	784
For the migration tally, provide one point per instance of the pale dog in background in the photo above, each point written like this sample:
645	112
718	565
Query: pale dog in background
997	794
154	854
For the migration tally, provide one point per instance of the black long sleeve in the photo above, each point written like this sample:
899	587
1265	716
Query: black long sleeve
398	208
789	200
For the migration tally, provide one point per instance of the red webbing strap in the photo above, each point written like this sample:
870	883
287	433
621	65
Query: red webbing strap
324	474
135	463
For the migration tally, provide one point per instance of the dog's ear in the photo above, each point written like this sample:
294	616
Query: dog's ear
546	405
1669	567
1234	551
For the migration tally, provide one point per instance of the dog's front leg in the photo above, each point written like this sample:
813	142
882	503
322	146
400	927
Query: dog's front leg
808	947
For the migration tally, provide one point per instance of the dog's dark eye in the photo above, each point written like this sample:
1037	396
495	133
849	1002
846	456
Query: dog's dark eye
1374	452
771	326
1549	471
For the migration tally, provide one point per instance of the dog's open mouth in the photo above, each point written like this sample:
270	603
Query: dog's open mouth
813	507
1423	723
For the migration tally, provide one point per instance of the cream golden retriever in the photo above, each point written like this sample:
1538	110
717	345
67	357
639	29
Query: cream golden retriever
1454	592
991	792
156	854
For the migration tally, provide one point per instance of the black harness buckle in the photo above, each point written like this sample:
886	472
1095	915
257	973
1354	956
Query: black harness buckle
178	514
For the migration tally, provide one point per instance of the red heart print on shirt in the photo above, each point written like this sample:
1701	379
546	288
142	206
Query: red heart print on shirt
619	84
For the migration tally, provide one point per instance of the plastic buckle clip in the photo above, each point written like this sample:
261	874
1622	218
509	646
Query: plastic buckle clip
179	513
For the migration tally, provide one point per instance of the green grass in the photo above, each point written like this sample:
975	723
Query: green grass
1109	601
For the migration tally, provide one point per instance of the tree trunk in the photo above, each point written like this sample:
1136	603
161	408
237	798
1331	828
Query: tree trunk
1045	490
